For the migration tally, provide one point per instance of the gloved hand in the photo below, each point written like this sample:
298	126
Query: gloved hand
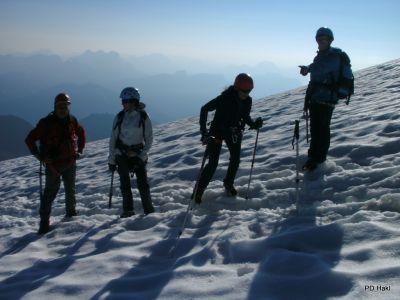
304	70
112	167
257	124
38	157
43	159
204	137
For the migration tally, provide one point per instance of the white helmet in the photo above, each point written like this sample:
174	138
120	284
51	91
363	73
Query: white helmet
130	93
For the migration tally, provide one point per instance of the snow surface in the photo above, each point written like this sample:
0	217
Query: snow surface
342	240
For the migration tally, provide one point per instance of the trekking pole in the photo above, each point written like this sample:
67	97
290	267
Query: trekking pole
306	117
189	208
40	180
296	136
110	194
252	164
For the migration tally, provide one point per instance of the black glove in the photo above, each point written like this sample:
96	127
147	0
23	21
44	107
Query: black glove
43	159
204	137
112	167
257	124
38	157
36	154
304	70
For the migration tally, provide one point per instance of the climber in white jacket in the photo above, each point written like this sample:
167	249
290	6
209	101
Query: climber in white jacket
130	141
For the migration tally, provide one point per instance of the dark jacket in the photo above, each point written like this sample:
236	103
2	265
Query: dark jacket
60	139
230	111
325	72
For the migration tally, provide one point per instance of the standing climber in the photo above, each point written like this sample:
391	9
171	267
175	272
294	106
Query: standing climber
62	140
232	112
130	142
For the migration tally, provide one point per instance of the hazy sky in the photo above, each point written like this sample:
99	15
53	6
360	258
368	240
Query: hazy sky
231	31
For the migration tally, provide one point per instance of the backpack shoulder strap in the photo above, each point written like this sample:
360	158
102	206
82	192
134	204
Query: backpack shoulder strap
47	121
74	121
143	117
48	117
344	58
120	118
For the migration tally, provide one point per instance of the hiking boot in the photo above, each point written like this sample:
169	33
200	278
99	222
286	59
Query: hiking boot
146	201
230	189
71	214
199	194
127	214
310	165
44	227
149	210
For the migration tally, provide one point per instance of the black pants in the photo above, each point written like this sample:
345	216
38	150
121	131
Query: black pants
213	150
52	186
135	165
320	122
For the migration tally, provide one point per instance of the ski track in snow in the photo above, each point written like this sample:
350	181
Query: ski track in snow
342	236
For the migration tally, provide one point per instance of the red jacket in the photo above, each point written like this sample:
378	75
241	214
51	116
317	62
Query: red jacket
60	139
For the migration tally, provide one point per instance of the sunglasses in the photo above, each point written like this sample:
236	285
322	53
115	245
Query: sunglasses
246	91
133	101
61	106
323	38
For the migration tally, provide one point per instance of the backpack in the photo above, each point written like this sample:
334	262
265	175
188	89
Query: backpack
120	118
345	84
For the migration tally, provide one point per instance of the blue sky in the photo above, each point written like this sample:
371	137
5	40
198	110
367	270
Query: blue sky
227	31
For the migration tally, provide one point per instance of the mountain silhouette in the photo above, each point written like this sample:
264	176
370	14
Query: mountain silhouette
13	131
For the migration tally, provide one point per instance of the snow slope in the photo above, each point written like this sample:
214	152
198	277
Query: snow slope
342	240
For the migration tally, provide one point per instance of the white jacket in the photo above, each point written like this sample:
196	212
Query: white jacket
131	134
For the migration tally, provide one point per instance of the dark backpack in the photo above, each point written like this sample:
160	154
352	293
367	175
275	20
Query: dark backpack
345	84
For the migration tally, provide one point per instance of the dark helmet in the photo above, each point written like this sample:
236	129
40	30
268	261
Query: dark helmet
243	82
62	98
324	31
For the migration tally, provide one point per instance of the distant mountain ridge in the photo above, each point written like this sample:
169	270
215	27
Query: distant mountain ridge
13	131
94	80
97	126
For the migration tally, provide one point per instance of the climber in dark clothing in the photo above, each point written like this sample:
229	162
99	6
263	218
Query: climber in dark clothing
323	93
62	140
232	112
